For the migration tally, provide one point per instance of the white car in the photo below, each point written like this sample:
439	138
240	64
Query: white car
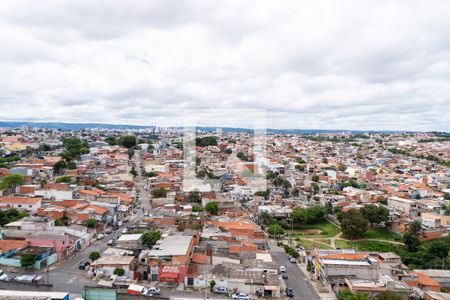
124	230
282	269
242	296
100	236
151	291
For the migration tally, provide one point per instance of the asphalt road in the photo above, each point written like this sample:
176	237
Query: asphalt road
303	289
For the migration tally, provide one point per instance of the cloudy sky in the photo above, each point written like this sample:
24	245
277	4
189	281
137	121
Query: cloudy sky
306	64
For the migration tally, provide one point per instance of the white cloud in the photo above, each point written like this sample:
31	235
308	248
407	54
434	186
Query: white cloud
314	64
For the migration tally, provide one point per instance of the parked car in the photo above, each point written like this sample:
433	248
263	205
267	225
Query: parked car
125	230
110	242
289	292
108	231
284	276
282	269
152	291
126	220
293	260
7	277
1	272
115	227
220	290
83	265
241	296
100	236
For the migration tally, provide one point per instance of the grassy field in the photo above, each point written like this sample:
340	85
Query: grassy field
368	246
381	234
320	230
310	244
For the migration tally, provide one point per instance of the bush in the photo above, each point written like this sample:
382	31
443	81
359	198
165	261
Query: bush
119	272
212	208
291	251
94	255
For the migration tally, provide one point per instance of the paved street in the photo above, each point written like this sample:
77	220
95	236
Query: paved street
297	280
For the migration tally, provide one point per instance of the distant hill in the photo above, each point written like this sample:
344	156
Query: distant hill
70	126
78	126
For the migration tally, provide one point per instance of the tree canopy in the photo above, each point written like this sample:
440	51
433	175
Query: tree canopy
27	260
159	192
11	215
275	229
150	238
353	223
206	141
212	208
310	215
94	255
375	214
11	181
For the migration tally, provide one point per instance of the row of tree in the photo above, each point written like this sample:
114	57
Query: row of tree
354	223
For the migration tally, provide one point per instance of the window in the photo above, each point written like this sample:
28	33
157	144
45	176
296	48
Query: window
29	206
20	205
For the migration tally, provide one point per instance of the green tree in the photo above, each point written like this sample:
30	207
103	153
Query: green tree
227	151
324	160
63	179
353	223
91	223
93	256
212	208
119	272
71	165
11	181
195	196
159	193
315	178
275	229
111	140
151	237
151	174
439	248
212	284
27	260
346	294
127	141
206	141
411	238
59	222
411	242
375	214
59	166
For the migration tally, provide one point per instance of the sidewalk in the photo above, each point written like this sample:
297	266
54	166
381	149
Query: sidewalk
322	291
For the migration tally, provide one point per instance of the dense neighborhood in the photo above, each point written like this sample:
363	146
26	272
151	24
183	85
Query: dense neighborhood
109	214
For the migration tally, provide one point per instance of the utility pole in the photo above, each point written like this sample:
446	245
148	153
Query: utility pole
47	273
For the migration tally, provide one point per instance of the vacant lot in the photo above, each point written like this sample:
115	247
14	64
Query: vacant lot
320	230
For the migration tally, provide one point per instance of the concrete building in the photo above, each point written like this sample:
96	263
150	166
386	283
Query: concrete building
406	206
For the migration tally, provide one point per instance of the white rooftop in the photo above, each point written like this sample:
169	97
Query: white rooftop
129	237
171	246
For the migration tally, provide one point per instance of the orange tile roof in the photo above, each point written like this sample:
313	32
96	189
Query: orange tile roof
19	200
98	209
92	192
8	245
425	280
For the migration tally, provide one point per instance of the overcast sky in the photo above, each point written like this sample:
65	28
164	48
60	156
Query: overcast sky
307	64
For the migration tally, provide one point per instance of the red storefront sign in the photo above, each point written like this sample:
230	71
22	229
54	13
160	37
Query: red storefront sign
171	273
